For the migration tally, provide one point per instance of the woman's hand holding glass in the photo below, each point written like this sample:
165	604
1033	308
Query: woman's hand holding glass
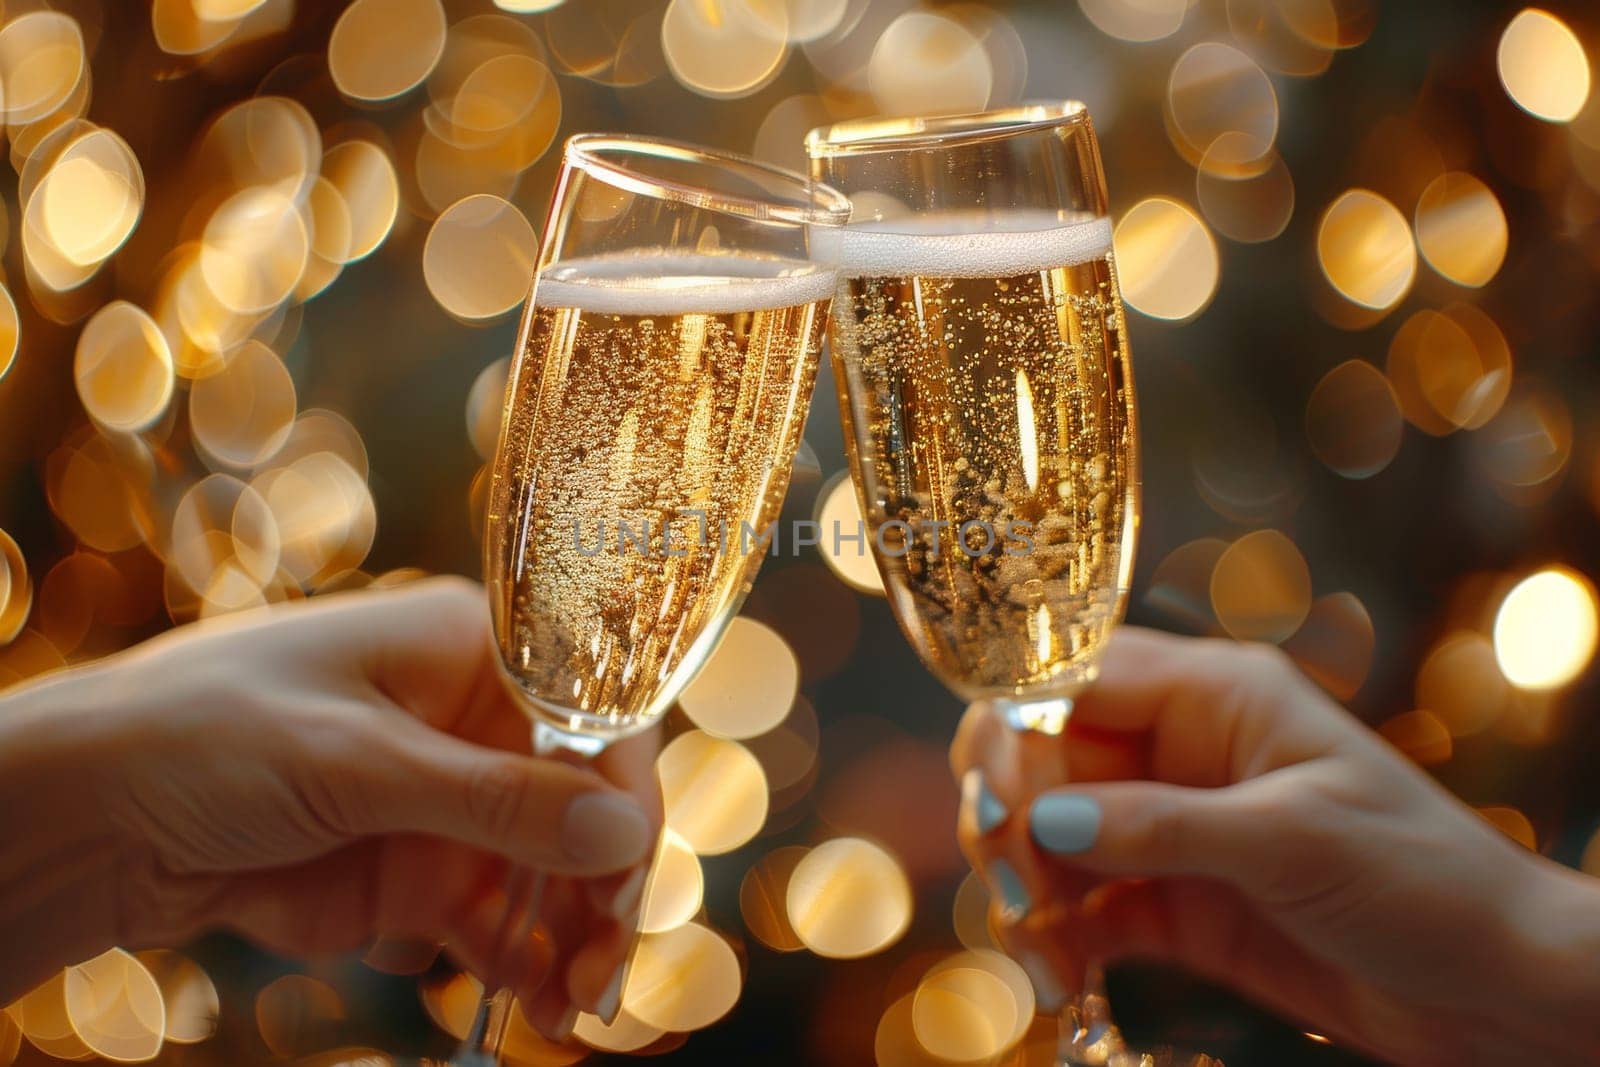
1210	807
313	779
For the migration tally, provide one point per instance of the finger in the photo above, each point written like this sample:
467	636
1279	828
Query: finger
567	924
599	970
405	777
1150	829
1084	753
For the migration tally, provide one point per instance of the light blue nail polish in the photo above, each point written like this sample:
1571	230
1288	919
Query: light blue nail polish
1064	823
988	808
1005	884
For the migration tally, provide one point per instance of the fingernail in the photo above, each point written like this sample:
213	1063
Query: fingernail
988	810
629	893
1046	990
1064	823
1008	888
610	1002
605	830
562	1030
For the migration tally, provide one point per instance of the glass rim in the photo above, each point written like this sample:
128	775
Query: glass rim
898	134
607	156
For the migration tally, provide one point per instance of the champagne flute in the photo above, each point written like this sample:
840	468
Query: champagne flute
984	381
664	365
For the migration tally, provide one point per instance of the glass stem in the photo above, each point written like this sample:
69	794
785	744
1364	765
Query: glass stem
524	895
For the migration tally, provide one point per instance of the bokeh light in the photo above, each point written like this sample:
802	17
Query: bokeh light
123	368
1421	735
684	979
926	63
1353	420
1261	587
1545	631
1222	109
1167	259
297	1014
1461	229
479	257
764	898
1241	205
1528	444
747	686
188	993
675	887
1543	66
848	898
725	48
1366	250
1460	682
1136	20
382	48
714	791
115	1007
243	414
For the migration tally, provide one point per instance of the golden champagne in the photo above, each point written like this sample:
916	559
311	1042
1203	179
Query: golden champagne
655	414
984	372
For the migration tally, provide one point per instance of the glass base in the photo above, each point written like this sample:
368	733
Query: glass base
549	738
1043	716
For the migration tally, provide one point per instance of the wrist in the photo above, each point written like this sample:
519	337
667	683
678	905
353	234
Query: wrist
59	867
1555	963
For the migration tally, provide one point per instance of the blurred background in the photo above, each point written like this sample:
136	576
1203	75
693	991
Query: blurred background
262	262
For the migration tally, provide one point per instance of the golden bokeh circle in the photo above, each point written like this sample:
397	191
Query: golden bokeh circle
848	898
16	589
1543	66
242	414
1546	629
365	179
1460	682
123	368
1167	260
223	534
1251	207
324	513
713	790
764	896
1221	109
973	1006
724	48
1181	585
115	1006
485	405
10	332
192	1004
480	257
780	138
1353	420
927	63
969	913
254	250
1461	229
1135	20
625	1034
684	979
88	201
1261	587
675	887
747	685
1513	823
1366	250
41	1015
839	508
1529	443
383	48
296	1013
267	141
42	61
87	485
1336	644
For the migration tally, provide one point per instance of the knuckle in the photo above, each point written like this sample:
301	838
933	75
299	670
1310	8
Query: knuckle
497	795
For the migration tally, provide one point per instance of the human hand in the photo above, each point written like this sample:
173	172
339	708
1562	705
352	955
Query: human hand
1208	806
314	778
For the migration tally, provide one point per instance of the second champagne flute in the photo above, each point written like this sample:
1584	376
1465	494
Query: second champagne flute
664	365
984	382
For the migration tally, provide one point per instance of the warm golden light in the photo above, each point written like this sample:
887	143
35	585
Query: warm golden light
747	685
1167	260
1221	109
10	332
115	1007
242	414
1461	229
675	887
1545	631
926	63
684	979
848	898
838	508
714	792
1364	245
725	48
123	368
1246	207
42	1018
1136	20
763	899
382	48
295	1014
1460	681
364	177
41	62
187	991
1336	644
1529	443
1513	823
626	1034
1543	66
1450	370
16	589
1353	420
254	250
1261	588
479	257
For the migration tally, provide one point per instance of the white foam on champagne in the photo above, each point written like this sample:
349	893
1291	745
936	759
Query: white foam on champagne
956	246
664	284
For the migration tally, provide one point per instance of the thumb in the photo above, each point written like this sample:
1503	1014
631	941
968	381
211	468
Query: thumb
539	812
1151	829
